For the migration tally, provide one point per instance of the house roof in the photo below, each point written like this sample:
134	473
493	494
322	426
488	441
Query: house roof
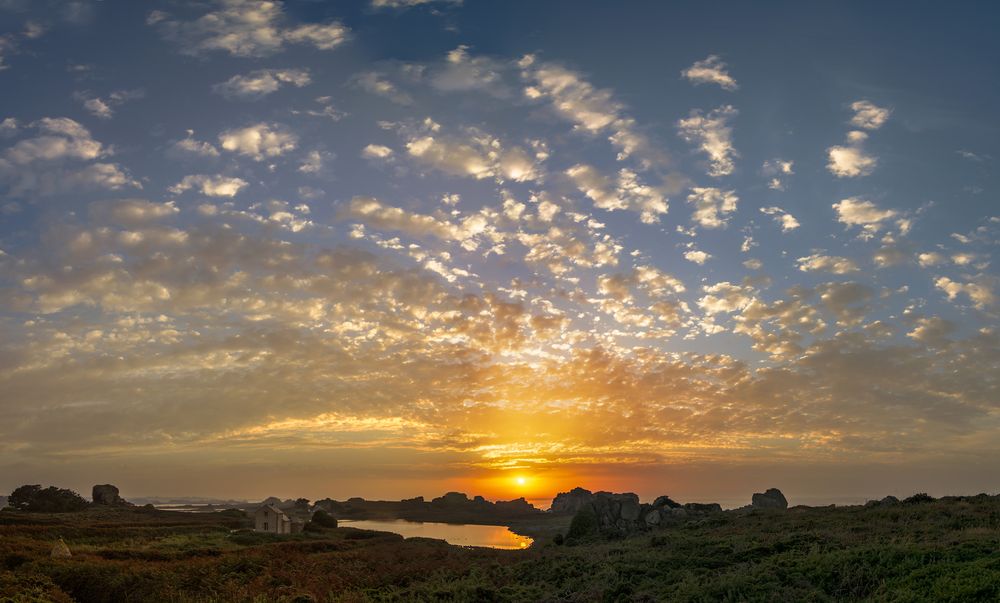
272	508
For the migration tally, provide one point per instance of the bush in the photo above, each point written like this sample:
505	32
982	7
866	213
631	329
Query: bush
36	499
584	524
323	519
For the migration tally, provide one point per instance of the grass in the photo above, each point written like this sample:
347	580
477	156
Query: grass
947	550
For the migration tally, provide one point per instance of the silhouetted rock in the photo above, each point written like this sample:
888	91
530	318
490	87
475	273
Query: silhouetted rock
452	499
516	506
665	501
107	495
616	514
703	507
572	501
770	499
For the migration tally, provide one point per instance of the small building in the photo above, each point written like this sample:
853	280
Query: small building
269	518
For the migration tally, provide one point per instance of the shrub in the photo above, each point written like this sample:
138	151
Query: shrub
584	524
36	499
323	519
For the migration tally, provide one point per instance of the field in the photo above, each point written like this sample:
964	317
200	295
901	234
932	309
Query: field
948	550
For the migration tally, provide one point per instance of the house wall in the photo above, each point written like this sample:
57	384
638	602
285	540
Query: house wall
268	521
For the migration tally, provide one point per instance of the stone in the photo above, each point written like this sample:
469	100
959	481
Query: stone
107	495
629	510
889	500
61	551
772	498
703	507
652	518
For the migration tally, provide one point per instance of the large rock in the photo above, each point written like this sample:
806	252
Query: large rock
107	495
518	506
703	507
770	499
571	502
653	517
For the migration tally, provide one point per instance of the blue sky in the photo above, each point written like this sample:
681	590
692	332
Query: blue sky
406	245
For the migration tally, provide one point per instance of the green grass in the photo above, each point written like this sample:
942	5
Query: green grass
936	551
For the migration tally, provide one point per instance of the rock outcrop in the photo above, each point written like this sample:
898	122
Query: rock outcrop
612	514
516	506
571	502
772	498
107	495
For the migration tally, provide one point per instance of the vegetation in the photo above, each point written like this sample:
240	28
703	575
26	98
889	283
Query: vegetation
943	550
46	500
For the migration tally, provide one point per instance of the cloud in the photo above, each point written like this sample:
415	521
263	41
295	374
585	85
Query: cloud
190	147
471	153
376	83
776	170
408	3
589	109
259	140
104	108
377	151
245	28
377	214
260	83
933	330
628	192
43	164
8	127
868	115
710	71
785	219
313	163
132	212
713	136
697	256
979	292
212	186
931	258
7	46
859	212
826	263
851	161
327	110
712	206
725	297
462	72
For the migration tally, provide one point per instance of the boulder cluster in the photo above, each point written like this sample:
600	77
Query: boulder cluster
613	514
621	514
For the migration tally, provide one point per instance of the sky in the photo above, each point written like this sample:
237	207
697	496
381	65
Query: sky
398	247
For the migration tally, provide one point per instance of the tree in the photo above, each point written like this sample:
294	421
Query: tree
34	498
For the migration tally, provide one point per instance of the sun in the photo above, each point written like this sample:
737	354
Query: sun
521	480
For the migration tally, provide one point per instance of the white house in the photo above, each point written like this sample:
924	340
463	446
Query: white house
271	519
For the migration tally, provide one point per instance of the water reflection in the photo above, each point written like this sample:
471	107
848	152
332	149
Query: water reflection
497	537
